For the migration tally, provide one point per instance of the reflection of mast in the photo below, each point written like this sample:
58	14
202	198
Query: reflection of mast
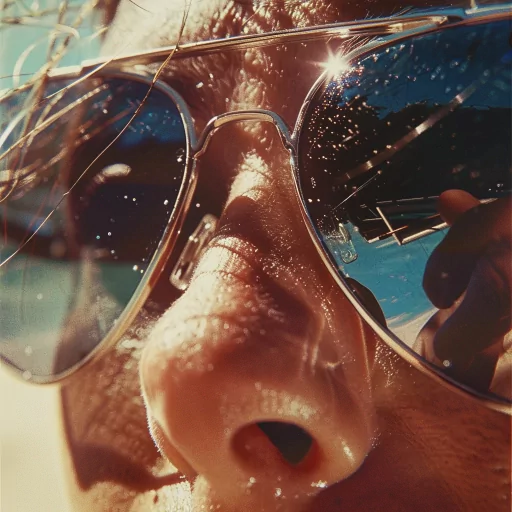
410	232
414	133
403	202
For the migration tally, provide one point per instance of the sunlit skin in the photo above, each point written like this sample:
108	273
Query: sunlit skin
264	333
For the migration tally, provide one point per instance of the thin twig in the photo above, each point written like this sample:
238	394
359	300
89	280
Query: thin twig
116	138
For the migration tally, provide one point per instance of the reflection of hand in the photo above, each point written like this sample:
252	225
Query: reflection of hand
474	264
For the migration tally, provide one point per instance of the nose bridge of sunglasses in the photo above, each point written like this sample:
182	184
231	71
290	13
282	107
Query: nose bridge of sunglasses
257	115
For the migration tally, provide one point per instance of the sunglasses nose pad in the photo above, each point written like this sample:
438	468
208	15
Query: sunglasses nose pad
196	244
340	242
367	299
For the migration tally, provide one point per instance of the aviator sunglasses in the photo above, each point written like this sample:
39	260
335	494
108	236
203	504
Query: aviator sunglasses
98	171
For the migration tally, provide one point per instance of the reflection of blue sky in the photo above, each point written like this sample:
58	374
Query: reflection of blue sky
393	273
436	63
159	119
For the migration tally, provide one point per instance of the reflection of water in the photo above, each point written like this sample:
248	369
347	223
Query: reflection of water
29	282
407	328
394	274
56	310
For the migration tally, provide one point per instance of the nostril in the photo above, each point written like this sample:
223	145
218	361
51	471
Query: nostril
272	442
292	441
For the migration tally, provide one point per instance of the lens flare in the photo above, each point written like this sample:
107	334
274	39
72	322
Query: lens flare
336	64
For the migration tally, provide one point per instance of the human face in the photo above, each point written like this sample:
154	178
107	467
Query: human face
263	333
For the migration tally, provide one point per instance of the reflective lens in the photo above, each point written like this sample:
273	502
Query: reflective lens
85	201
380	143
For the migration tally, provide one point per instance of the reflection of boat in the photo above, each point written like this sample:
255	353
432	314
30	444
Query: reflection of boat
380	162
405	220
393	189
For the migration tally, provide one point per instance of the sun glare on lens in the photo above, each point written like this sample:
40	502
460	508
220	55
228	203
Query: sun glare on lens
336	64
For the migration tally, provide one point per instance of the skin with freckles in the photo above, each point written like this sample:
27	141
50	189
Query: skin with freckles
263	333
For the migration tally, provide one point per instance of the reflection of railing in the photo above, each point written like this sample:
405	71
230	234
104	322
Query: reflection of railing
410	219
405	220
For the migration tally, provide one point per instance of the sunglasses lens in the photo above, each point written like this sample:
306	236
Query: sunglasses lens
386	150
86	196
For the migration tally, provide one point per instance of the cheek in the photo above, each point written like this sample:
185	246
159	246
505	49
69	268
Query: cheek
450	442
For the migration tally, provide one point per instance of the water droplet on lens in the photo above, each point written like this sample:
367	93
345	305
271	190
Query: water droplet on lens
180	154
117	170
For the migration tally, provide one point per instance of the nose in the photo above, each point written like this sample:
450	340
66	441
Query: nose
258	379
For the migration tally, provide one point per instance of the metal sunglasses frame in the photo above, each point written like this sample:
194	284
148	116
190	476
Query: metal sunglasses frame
388	30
